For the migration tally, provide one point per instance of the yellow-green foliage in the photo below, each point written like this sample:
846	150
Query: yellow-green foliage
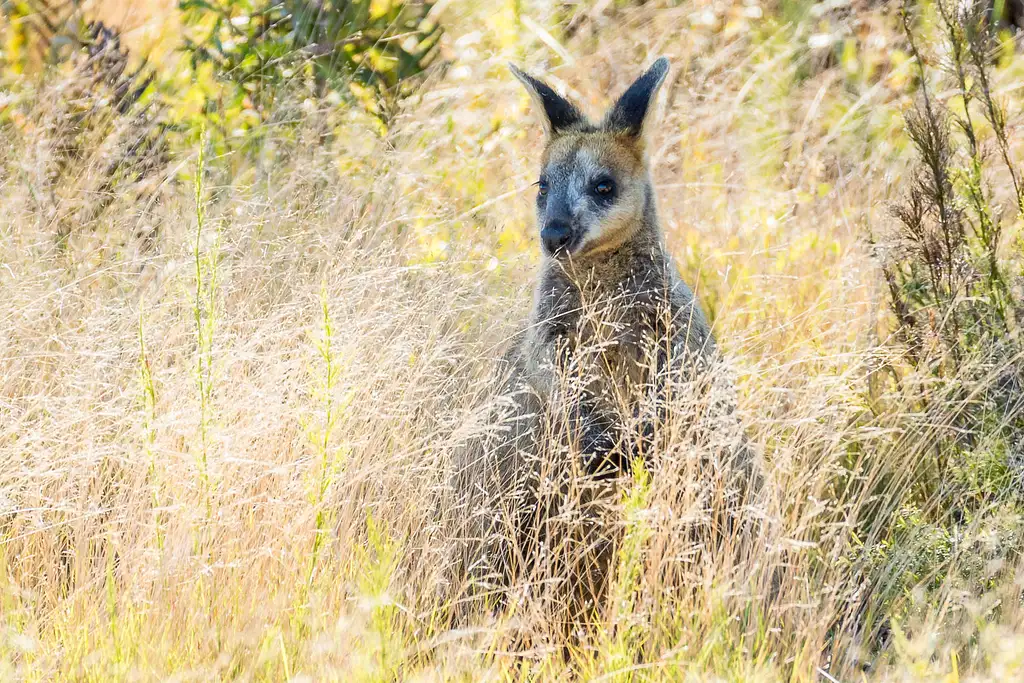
227	400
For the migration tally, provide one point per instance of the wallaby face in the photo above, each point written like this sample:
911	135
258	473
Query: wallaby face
594	187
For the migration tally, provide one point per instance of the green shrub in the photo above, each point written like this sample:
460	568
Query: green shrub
352	48
951	268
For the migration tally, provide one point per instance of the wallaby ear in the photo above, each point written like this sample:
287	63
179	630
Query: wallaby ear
630	111
559	113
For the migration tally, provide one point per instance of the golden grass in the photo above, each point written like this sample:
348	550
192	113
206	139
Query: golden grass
221	446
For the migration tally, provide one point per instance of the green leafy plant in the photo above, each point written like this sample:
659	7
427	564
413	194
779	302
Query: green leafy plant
947	266
352	48
949	269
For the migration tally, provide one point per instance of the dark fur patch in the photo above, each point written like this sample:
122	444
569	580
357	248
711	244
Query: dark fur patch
630	110
561	113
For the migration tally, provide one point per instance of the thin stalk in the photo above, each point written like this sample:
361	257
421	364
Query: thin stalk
148	388
204	310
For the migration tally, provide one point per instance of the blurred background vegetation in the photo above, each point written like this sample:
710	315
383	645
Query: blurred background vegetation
840	180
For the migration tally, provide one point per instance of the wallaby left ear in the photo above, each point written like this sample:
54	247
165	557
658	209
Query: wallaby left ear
559	113
631	109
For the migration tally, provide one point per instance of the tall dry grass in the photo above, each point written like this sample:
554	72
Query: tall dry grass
226	415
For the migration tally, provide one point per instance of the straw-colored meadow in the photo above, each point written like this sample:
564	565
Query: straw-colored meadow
243	328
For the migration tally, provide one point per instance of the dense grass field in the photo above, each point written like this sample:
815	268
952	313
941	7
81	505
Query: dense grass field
235	363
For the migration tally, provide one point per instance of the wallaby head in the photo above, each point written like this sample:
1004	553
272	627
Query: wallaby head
594	191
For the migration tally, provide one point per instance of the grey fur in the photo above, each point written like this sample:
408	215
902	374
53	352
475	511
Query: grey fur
608	329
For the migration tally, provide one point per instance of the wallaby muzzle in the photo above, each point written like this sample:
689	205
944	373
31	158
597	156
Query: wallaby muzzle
557	234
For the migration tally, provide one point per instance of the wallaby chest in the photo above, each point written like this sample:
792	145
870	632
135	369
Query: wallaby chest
602	323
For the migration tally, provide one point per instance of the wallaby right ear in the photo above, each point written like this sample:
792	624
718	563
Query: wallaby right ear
559	113
630	111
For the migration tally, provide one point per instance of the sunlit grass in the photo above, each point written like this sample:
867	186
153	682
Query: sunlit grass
226	413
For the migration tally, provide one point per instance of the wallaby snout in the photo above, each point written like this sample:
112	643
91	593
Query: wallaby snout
556	236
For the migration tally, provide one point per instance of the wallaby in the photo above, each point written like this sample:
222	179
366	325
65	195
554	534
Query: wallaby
612	323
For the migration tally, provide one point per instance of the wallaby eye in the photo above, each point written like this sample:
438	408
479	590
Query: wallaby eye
604	187
542	188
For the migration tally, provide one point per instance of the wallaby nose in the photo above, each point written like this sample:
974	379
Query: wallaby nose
555	235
